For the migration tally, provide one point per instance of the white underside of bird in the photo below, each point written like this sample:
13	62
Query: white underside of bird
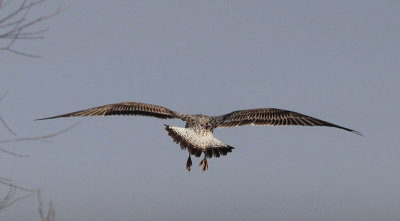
202	139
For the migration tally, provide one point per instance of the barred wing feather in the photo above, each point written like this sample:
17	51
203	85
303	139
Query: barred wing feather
126	108
272	117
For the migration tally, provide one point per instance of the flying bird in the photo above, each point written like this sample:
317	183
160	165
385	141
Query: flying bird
197	135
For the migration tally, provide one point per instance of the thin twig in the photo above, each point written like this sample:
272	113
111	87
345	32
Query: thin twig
20	198
2	120
13	154
6	126
9	199
16	186
27	35
51	214
39	138
34	32
15	33
5	179
9	24
39	198
23	38
22	53
20	9
19	28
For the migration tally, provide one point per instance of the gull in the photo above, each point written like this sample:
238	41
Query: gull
197	135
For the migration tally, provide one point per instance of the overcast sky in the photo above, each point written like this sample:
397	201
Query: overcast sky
335	60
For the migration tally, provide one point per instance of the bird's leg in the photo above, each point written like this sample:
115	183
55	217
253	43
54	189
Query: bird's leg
204	164
188	163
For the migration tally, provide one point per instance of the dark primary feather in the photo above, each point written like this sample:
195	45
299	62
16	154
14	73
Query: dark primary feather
126	108
272	117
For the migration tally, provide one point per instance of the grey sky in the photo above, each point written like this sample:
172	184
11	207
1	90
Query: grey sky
334	60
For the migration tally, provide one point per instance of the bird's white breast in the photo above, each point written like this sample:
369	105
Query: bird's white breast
198	138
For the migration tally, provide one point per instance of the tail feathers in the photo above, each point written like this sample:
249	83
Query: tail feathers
198	142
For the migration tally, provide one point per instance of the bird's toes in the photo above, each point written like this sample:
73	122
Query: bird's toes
204	165
189	163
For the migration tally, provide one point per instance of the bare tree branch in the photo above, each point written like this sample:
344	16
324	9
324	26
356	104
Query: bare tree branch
5	179
27	35
9	183
39	138
15	26
51	214
2	120
11	198
6	126
20	198
13	153
12	26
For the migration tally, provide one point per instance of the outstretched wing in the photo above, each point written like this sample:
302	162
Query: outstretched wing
271	117
126	108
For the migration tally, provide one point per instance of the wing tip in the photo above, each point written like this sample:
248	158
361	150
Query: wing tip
350	130
58	116
46	118
357	132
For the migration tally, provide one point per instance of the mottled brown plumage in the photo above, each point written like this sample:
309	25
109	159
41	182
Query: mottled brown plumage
125	108
272	117
197	136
